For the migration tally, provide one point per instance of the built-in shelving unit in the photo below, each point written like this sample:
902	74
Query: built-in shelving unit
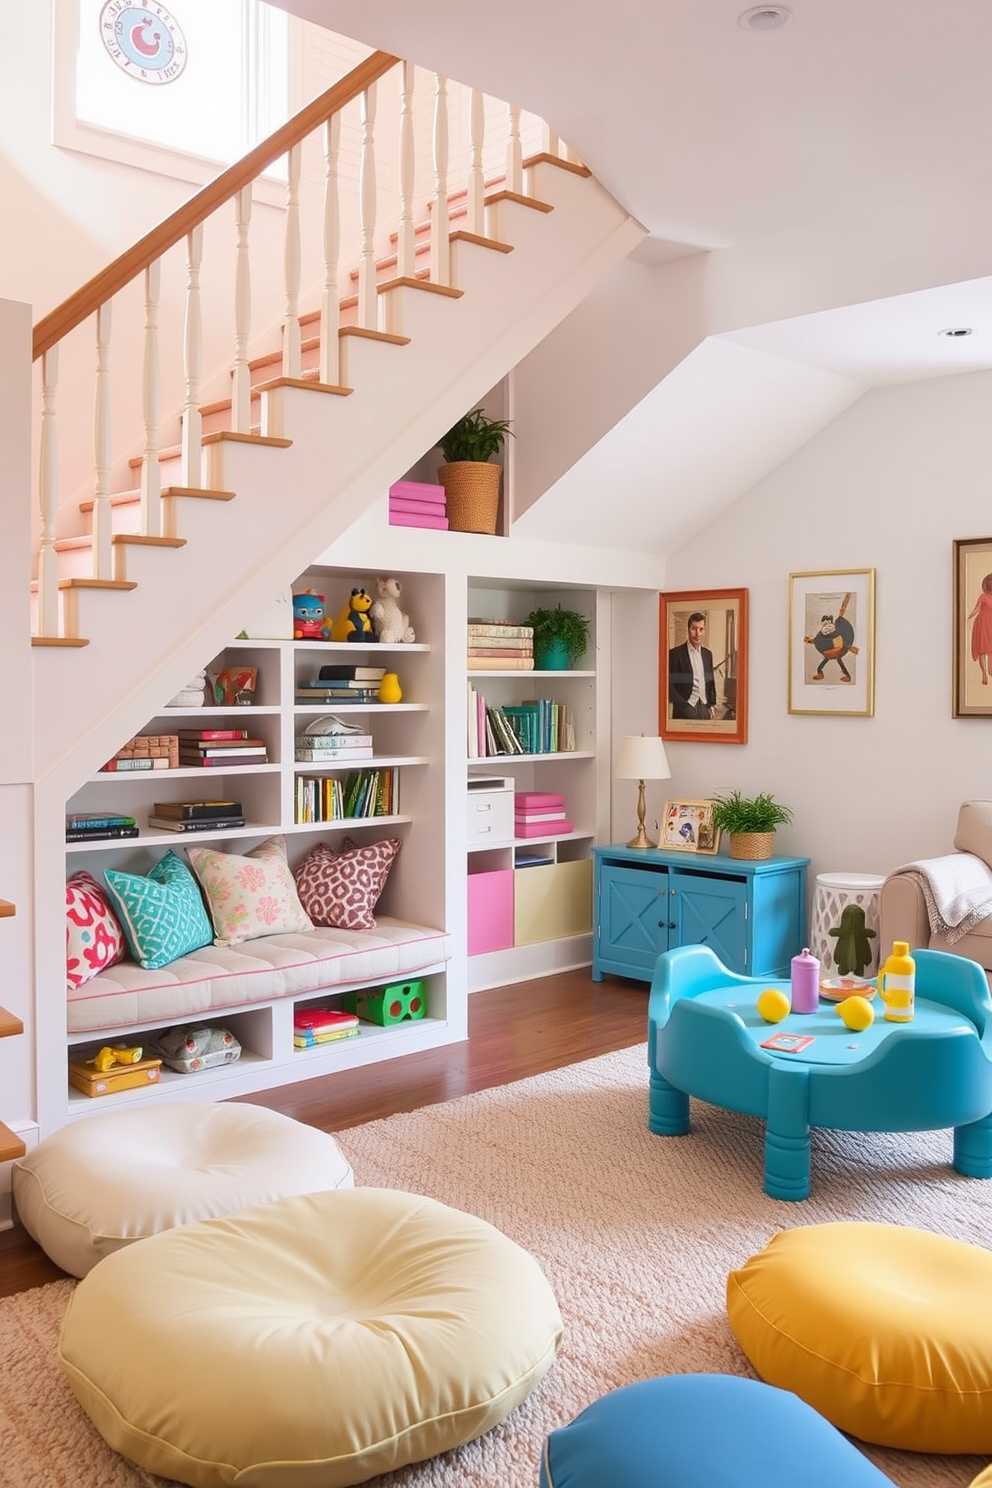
11	1145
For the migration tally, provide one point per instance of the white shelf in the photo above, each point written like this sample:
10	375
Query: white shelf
518	674
377	762
335	706
528	759
185	772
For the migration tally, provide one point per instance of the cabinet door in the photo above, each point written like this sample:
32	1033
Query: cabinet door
711	912
632	920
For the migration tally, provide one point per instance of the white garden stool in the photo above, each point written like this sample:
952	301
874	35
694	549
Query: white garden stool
835	893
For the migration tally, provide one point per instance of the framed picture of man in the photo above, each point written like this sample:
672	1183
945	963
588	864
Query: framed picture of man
832	642
702	662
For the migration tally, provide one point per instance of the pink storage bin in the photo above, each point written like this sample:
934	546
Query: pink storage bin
416	519
418	491
490	911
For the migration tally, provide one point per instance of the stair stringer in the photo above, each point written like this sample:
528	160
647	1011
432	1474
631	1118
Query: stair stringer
291	503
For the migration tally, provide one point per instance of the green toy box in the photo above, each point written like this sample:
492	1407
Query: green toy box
397	1003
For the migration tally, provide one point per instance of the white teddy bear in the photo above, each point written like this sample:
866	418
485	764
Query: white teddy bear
390	622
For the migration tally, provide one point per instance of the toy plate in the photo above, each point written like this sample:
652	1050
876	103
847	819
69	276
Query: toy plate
835	989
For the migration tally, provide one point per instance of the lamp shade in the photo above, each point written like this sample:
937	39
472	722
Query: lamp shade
642	757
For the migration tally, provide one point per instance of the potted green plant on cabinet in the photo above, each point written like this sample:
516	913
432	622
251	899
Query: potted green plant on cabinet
469	478
750	822
561	638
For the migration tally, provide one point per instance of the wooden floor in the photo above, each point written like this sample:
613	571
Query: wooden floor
514	1031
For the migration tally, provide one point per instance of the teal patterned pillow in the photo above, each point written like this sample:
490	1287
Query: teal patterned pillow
162	915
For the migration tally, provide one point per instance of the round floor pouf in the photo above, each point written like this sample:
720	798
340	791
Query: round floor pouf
117	1176
697	1430
316	1341
885	1329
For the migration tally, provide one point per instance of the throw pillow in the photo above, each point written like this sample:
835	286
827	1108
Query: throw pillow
251	895
342	889
93	936
162	913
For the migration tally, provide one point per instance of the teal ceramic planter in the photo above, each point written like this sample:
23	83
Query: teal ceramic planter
553	658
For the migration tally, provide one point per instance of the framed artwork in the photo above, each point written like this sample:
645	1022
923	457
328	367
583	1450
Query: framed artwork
702	664
687	826
832	642
972	627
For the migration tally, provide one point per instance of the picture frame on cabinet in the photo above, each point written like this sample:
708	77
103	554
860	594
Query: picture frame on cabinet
687	826
972	628
710	627
832	642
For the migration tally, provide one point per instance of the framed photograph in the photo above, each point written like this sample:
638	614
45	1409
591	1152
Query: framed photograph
832	642
702	663
687	826
972	627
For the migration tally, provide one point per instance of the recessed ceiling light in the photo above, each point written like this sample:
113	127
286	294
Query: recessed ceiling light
765	18
955	331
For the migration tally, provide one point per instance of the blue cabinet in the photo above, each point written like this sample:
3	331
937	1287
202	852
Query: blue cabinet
751	914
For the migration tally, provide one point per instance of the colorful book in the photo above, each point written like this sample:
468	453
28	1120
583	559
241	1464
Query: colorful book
98	834
417	508
346	673
501	663
222	762
77	820
418	491
542	829
160	762
539	816
218	751
217	746
201	824
346	684
316	1040
214	735
191	810
322	1020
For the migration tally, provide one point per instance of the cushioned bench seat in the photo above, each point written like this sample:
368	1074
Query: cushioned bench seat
219	977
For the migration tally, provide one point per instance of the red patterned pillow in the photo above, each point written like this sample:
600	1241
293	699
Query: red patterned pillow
93	936
343	888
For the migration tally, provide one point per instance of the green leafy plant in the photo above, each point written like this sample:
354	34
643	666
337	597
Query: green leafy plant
736	814
475	437
565	626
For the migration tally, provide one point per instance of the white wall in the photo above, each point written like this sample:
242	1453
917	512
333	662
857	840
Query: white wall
887	486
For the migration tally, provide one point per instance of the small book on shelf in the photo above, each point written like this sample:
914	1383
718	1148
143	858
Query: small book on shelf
98	834
191	810
187	736
345	672
77	820
199	824
160	762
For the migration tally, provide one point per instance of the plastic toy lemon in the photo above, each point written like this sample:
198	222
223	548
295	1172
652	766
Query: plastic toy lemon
773	1005
857	1013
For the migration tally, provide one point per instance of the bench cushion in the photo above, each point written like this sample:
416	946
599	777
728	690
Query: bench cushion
219	977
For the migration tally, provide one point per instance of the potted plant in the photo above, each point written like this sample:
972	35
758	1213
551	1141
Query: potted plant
470	479
561	637
750	822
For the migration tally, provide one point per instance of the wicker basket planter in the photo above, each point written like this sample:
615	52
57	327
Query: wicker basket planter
752	845
472	490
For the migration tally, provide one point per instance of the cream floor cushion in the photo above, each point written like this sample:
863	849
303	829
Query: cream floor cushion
313	1342
118	1176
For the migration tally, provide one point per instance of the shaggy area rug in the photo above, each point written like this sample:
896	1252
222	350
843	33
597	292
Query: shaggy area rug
637	1234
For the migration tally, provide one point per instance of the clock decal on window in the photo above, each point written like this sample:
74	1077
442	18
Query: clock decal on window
144	41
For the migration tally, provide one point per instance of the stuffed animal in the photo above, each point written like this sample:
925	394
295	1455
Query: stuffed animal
309	623
390	621
353	623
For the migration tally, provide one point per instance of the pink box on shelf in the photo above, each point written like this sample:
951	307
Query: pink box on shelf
426	508
522	827
490	911
405	490
526	801
415	519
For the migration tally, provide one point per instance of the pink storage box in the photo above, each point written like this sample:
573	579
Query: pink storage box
490	911
524	828
415	519
524	801
428	508
417	491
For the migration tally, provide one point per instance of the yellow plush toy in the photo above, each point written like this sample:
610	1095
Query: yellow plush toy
353	623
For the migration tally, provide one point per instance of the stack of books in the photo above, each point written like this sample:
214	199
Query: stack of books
539	814
196	816
500	646
95	826
417	504
315	1026
333	748
361	687
220	748
146	752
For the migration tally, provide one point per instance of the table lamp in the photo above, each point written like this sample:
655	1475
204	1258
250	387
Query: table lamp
642	758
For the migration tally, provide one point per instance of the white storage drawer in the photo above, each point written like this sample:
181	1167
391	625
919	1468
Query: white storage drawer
490	809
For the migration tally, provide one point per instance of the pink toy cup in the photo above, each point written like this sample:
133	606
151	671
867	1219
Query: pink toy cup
805	982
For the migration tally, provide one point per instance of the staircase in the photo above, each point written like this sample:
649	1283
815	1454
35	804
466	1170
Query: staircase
191	537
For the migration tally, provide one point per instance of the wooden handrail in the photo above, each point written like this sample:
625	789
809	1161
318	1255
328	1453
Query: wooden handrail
103	286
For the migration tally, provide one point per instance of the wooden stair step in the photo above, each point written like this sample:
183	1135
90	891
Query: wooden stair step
76	641
7	909
11	1146
133	539
447	290
309	383
122	584
10	1024
494	243
116	498
229	436
543	158
273	358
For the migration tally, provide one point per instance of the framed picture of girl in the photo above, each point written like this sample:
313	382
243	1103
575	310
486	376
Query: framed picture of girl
972	628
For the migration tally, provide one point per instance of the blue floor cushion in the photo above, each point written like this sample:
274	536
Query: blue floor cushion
703	1431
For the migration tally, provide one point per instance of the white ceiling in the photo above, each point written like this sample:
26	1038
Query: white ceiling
864	127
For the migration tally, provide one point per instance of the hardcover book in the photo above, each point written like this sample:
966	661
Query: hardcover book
187	736
539	816
80	819
346	673
501	663
160	762
412	519
190	810
500	628
418	491
98	834
201	824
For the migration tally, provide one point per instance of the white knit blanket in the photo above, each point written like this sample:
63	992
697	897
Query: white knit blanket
957	889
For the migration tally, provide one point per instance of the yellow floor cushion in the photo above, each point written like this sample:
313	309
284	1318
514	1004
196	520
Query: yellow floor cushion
885	1329
315	1341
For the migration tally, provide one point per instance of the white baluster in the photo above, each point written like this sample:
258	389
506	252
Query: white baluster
151	475
241	388
292	357
406	242
192	451
367	297
440	246
48	569
102	549
476	176
514	151
330	305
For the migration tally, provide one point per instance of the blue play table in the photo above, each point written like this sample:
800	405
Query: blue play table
705	1037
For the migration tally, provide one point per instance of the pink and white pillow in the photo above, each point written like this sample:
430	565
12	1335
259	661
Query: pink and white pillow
93	935
342	889
251	894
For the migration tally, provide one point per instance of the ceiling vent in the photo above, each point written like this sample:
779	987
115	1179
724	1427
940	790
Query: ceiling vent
765	18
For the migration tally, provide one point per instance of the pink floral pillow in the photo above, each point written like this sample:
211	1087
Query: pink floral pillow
93	936
342	889
249	895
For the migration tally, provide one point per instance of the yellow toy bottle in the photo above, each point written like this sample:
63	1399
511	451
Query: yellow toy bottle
897	983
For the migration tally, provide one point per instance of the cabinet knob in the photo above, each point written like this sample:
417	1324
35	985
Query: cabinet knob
671	925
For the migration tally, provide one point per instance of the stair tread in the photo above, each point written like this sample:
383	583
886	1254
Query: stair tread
11	1146
232	438
116	498
97	584
386	336
496	244
135	539
446	290
72	641
308	384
